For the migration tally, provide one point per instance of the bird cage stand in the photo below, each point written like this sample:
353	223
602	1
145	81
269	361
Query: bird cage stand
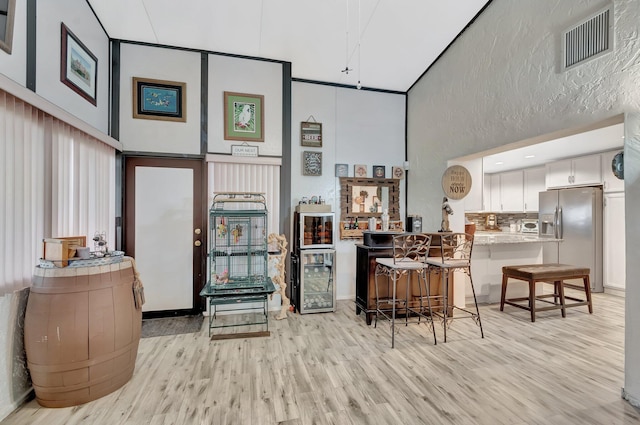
238	263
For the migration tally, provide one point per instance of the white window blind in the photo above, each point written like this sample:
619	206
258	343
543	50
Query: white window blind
249	177
55	181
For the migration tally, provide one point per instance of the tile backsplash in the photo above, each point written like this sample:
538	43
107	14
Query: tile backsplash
504	219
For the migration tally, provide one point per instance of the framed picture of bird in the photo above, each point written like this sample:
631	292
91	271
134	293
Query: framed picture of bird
159	100
243	117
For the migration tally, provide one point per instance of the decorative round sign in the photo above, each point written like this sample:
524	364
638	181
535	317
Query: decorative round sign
456	182
617	165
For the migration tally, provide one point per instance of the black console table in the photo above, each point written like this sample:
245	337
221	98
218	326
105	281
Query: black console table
380	244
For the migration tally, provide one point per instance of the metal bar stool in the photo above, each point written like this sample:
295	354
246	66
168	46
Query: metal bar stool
455	254
409	253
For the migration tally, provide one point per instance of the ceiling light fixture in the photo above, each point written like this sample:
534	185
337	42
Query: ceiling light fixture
529	156
499	163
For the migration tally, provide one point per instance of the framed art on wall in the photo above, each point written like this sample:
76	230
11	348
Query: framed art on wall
378	171
397	173
360	170
78	66
311	134
342	170
311	163
159	100
243	117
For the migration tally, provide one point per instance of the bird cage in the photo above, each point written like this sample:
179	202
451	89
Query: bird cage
238	256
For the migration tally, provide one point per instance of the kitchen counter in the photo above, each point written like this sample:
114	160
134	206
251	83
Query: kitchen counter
494	250
495	238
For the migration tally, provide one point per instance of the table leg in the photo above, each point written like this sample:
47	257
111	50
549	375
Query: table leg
505	278
532	299
445	277
393	314
560	284
587	291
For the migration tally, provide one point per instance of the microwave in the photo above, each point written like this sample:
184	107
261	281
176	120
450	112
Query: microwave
529	226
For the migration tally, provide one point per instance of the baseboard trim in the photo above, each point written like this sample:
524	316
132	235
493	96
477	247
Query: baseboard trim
632	400
9	409
614	291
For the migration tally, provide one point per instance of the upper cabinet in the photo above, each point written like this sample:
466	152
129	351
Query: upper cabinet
505	191
610	183
494	193
534	183
511	191
581	171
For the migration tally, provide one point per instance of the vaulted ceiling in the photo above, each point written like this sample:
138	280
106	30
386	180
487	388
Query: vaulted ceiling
398	39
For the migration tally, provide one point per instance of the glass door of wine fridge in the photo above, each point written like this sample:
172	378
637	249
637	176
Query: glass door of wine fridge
317	289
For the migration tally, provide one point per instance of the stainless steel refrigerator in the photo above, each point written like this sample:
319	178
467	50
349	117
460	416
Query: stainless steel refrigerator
575	216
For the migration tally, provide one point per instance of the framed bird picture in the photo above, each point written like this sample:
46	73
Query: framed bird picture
159	100
243	117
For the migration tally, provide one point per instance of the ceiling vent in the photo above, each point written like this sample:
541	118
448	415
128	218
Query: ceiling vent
590	39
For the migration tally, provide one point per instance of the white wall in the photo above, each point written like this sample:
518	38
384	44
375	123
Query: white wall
14	65
79	18
245	76
358	127
144	135
501	82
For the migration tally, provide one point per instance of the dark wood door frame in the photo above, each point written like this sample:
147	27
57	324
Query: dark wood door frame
198	166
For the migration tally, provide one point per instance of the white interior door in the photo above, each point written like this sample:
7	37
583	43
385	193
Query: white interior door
164	217
165	231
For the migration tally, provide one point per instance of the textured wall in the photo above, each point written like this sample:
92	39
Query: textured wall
501	83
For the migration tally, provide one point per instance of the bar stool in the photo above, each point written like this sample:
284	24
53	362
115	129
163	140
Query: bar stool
455	254
409	253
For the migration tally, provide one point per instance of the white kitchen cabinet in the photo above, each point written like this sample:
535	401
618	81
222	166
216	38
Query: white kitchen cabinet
614	241
486	192
511	191
586	170
610	183
495	192
558	173
534	183
580	171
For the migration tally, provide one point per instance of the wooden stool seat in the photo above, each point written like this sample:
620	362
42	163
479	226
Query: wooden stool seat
550	273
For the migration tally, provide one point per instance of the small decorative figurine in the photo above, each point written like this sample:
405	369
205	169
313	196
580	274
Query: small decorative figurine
446	211
100	244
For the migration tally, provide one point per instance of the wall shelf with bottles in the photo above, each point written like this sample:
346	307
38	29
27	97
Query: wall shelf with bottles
348	229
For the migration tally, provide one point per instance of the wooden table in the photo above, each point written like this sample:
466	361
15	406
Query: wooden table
549	273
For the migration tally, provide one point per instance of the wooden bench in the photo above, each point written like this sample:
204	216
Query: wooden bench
550	273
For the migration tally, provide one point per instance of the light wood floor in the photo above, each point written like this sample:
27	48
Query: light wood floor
332	368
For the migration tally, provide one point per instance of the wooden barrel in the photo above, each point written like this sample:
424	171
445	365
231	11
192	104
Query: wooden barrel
81	332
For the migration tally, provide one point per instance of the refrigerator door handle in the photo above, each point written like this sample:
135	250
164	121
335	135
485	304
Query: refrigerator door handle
555	223
559	225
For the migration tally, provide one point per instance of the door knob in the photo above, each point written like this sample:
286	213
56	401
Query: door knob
197	243
197	231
